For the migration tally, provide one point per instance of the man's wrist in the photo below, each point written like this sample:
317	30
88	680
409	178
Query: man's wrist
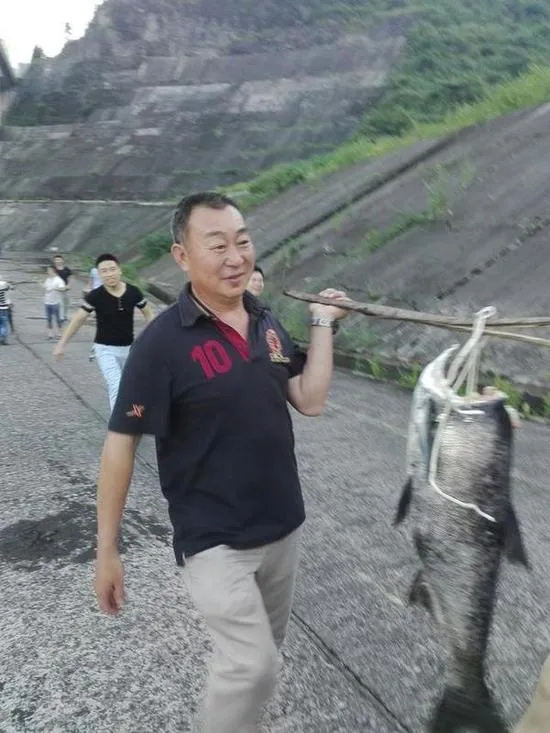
107	547
324	322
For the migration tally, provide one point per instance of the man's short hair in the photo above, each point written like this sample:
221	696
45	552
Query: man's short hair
182	212
257	268
106	258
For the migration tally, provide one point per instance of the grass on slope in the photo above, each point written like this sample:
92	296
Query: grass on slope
528	90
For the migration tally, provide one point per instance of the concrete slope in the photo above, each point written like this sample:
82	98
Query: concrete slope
489	190
75	226
305	206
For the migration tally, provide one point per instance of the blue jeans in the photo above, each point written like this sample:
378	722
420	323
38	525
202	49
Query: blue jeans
4	324
64	307
111	360
52	311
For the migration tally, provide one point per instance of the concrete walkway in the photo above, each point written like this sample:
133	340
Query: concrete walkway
357	659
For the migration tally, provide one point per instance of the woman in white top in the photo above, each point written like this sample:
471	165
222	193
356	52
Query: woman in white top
53	287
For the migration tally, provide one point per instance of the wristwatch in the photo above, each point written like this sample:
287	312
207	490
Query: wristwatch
324	321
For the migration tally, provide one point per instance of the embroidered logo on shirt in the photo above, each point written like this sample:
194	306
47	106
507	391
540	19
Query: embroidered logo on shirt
136	411
275	347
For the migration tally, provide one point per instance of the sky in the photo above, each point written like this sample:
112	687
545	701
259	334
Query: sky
25	24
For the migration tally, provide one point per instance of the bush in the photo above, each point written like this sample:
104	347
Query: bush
278	178
386	120
155	245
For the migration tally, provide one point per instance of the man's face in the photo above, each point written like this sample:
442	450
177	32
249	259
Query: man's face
217	253
110	273
256	284
58	263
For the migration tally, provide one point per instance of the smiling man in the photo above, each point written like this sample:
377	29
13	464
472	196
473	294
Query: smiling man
113	303
211	379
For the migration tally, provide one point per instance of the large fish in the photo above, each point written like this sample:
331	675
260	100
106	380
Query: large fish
458	498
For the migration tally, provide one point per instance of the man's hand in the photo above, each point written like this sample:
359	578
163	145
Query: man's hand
58	351
109	582
329	311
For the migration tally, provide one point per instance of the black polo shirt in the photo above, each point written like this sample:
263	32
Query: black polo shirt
217	405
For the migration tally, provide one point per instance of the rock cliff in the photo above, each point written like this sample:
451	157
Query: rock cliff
161	96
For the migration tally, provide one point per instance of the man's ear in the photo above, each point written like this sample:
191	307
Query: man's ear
180	255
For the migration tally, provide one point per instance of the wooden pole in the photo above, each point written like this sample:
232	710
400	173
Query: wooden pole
452	323
430	319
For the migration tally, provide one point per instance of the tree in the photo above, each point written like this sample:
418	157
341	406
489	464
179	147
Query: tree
37	54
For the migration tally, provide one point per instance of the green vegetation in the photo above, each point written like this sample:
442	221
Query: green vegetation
356	336
376	238
153	246
530	89
455	52
409	377
515	397
376	368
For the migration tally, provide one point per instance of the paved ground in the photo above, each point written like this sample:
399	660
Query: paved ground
357	659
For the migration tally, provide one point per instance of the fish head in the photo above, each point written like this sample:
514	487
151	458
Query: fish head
426	400
474	424
467	441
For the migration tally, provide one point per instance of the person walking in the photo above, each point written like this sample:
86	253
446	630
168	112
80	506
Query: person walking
113	304
53	286
211	378
94	280
65	273
10	315
5	311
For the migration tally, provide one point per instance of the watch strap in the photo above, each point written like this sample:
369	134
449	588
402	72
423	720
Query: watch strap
325	322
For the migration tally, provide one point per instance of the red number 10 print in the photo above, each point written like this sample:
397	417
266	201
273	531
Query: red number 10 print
213	358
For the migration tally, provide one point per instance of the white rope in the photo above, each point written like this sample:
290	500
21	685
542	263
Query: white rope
468	358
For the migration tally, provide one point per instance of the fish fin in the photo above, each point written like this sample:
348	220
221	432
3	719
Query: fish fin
419	593
404	502
457	712
513	541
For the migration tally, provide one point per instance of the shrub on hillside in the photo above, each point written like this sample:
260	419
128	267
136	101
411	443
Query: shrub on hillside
155	245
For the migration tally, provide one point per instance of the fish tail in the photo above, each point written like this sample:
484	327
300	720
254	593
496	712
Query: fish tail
457	712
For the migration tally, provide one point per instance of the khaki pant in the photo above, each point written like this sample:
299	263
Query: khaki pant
245	598
537	715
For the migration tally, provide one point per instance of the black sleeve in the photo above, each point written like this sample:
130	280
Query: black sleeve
297	362
145	392
88	302
140	301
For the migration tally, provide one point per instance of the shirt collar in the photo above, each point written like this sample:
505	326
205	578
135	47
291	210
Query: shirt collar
190	312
